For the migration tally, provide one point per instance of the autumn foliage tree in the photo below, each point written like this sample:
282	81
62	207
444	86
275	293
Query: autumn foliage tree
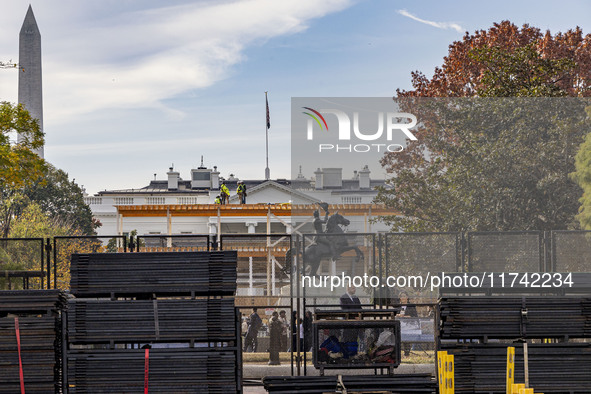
20	166
497	135
36	222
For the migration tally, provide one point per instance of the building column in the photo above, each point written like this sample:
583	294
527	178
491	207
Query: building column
213	228
251	227
168	228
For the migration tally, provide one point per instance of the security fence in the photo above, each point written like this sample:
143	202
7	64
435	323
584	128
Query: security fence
22	263
510	251
570	251
42	262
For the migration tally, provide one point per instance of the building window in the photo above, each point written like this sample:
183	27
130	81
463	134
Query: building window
201	176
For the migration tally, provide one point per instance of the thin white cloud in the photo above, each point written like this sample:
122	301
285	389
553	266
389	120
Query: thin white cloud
138	59
439	25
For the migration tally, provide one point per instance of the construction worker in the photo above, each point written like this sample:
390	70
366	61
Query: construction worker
224	193
217	200
241	190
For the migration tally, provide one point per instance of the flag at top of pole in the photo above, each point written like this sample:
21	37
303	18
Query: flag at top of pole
268	124
268	117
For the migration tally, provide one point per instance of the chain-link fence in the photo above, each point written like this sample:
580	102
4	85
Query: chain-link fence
570	251
510	251
419	253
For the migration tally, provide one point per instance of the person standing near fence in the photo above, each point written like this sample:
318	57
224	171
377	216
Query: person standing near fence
254	326
285	330
275	334
407	311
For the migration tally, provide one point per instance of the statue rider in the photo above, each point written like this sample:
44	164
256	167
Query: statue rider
319	227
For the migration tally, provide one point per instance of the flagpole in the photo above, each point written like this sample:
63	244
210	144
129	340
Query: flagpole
267	171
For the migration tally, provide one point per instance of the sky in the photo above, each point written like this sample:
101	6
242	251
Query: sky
133	87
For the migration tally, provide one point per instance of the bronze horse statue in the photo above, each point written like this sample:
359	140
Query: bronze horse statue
319	250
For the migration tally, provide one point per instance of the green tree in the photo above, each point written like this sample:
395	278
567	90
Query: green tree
35	222
487	163
582	175
25	177
63	199
19	164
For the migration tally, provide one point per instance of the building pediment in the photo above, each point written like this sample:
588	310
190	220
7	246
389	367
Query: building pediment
274	193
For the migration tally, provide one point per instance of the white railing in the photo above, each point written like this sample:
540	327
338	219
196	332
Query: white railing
155	200
187	200
123	201
93	200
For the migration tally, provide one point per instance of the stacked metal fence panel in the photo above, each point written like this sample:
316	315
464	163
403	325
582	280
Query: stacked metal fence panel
162	273
167	320
502	317
400	383
170	324
40	334
553	368
186	370
478	330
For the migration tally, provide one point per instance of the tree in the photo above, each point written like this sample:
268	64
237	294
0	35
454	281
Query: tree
582	176
25	177
487	163
19	164
63	199
34	222
506	61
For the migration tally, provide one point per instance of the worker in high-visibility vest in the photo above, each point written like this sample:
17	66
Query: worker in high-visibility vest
217	200
241	191
224	193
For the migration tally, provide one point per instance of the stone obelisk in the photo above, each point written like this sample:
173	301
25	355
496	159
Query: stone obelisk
29	79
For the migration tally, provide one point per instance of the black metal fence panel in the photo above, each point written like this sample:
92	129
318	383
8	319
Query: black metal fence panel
161	273
509	251
151	321
571	251
65	246
419	253
22	265
553	367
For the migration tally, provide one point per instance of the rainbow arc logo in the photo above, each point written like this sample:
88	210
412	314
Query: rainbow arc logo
315	118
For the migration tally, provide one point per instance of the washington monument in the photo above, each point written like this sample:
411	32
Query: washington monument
29	76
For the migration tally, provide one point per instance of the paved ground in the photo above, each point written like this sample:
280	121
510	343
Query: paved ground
255	372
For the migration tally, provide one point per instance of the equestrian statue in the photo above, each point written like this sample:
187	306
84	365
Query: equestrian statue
327	243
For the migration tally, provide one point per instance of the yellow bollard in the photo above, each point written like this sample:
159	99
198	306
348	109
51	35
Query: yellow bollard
510	379
441	371
516	387
450	374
